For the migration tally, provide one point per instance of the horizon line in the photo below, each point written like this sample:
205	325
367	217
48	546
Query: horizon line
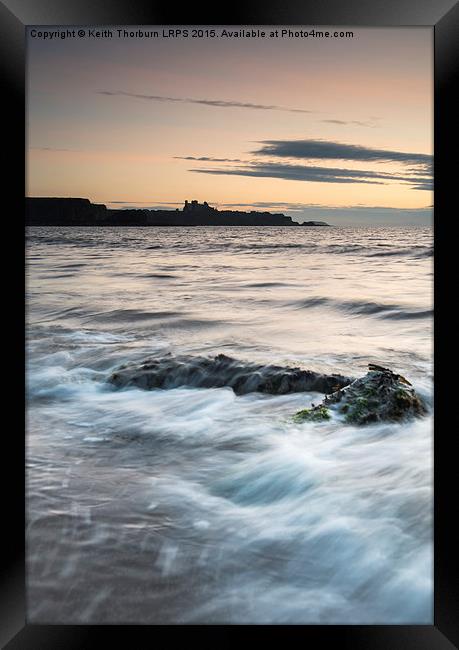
297	206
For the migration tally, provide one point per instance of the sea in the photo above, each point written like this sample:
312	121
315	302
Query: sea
192	505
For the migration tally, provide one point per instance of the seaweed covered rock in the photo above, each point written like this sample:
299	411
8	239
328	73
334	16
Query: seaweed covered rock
380	396
243	377
313	414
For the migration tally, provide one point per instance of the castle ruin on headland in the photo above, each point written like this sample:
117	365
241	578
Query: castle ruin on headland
81	212
194	206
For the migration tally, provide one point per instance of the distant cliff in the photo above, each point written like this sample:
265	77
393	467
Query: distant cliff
81	212
64	212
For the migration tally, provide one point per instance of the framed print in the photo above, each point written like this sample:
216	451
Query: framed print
232	249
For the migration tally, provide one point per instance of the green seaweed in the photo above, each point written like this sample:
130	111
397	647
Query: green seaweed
358	411
380	395
314	414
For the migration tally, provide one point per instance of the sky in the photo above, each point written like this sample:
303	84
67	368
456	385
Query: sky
337	129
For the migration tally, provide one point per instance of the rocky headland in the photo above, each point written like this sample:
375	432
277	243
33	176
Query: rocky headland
81	212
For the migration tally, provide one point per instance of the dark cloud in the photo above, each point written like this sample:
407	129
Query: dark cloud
287	172
354	122
208	159
315	174
326	150
418	177
291	207
232	104
422	170
50	149
423	186
206	102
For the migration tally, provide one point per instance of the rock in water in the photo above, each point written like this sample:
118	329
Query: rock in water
380	396
201	372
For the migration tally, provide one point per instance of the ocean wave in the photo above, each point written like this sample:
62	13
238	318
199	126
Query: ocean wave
392	311
403	252
161	276
266	285
131	315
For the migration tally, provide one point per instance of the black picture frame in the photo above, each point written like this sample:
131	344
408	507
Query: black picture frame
443	17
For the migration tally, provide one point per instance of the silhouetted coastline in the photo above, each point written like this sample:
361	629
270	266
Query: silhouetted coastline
81	212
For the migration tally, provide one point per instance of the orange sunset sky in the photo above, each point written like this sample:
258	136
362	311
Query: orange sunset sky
306	126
